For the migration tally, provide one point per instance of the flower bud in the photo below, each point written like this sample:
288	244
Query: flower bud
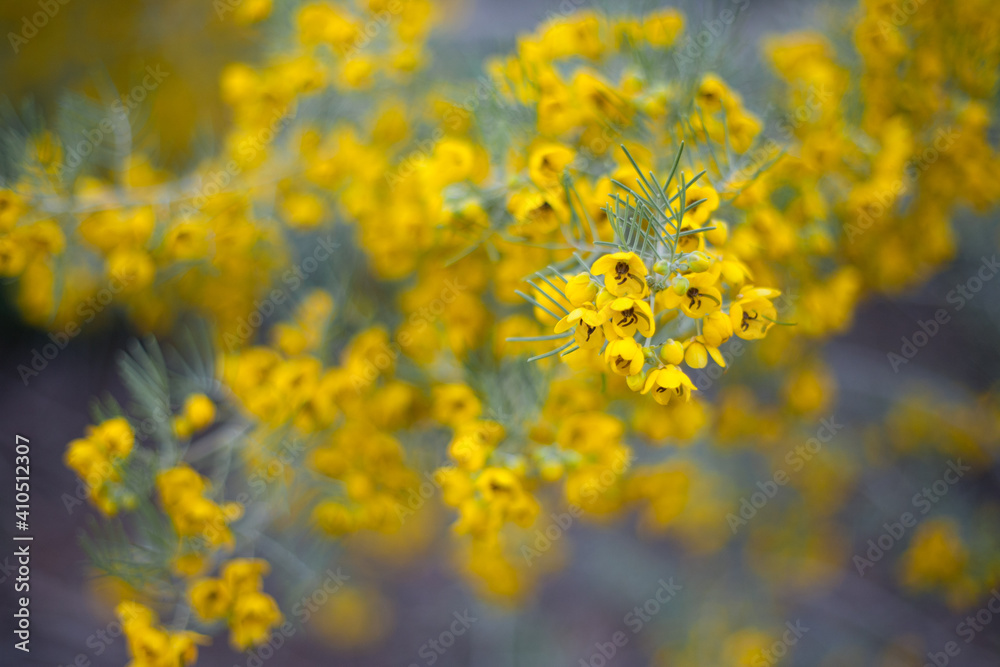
698	261
636	382
681	286
580	289
672	352
717	236
696	355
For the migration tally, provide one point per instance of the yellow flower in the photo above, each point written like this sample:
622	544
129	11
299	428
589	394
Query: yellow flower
200	517
455	404
603	104
357	72
191	514
809	388
133	613
302	210
95	460
661	28
456	485
624	274
690	242
712	95
178	483
322	22
473	443
699	214
254	614
547	162
149	645
244	575
134	268
86	458
498	483
630	315
182	427
576	35
733	271
407	59
186	241
199	410
315	308
580	289
189	564
44	237
334	518
115	435
558	113
699	298
238	82
753	313
537	213
468	221
625	356
210	599
587	320
627	31
13	256
12	206
184	647
743	129
506	499
354	618
717	328
152	646
668	381
717	236
252	11
456	159
936	555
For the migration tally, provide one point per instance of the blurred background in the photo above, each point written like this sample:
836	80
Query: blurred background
93	48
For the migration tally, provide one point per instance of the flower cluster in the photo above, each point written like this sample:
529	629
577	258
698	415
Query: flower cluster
372	468
599	198
629	304
488	487
237	598
98	460
200	523
151	645
197	414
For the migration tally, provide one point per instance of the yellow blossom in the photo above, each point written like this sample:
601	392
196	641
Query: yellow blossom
624	274
625	356
668	381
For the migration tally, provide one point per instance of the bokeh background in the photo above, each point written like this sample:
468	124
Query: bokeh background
93	47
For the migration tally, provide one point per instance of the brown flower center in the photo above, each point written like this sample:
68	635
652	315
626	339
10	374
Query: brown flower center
621	272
